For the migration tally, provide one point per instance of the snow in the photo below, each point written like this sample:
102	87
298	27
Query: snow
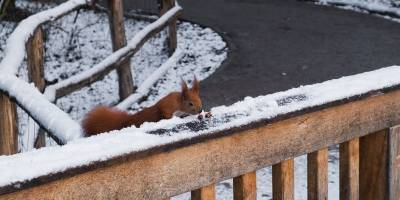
80	152
15	49
134	43
380	6
48	114
144	89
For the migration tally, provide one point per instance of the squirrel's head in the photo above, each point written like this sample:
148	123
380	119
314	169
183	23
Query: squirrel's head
190	98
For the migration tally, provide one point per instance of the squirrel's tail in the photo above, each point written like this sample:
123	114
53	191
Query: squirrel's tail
103	119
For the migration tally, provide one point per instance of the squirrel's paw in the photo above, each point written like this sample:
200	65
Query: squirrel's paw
203	115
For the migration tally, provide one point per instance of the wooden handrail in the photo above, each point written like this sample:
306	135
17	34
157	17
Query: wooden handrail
221	155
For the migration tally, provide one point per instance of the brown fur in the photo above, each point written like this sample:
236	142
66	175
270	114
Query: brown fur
105	119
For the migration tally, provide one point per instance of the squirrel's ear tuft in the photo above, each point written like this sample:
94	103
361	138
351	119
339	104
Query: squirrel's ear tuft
185	89
196	85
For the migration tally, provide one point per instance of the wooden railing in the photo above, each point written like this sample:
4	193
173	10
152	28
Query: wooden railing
365	127
119	60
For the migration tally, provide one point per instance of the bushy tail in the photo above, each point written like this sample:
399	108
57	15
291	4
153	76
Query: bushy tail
103	119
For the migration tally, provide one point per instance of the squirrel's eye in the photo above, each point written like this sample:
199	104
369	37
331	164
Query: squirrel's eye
191	104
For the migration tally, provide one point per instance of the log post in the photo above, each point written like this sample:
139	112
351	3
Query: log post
317	175
349	170
380	165
117	29
172	29
204	193
244	187
35	60
283	180
8	126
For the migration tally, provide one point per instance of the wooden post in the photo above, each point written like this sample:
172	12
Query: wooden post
35	60
244	187
317	175
117	29
380	165
349	170
394	163
204	193
283	180
8	126
172	29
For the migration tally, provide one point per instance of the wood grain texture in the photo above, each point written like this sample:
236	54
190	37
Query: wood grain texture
317	175
172	169
373	166
283	180
245	187
35	63
349	159
117	28
172	28
63	91
8	126
204	193
394	163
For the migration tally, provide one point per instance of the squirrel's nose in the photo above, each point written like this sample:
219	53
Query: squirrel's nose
200	110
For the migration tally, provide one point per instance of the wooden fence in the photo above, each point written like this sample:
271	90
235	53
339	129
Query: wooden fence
121	63
365	127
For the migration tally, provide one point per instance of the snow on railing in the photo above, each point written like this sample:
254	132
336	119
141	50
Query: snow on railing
50	160
48	115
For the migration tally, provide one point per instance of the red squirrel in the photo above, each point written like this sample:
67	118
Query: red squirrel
104	119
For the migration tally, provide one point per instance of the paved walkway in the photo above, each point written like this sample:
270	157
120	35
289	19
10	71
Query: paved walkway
276	45
280	44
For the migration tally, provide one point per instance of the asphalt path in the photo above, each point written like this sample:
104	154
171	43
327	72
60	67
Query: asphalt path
276	45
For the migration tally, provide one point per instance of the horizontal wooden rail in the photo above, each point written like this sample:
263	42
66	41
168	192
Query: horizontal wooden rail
100	70
172	169
15	49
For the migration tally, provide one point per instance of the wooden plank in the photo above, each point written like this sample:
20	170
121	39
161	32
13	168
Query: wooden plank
173	169
172	28
349	170
35	62
117	28
317	175
75	85
283	180
394	163
373	166
379	165
204	193
245	187
8	126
